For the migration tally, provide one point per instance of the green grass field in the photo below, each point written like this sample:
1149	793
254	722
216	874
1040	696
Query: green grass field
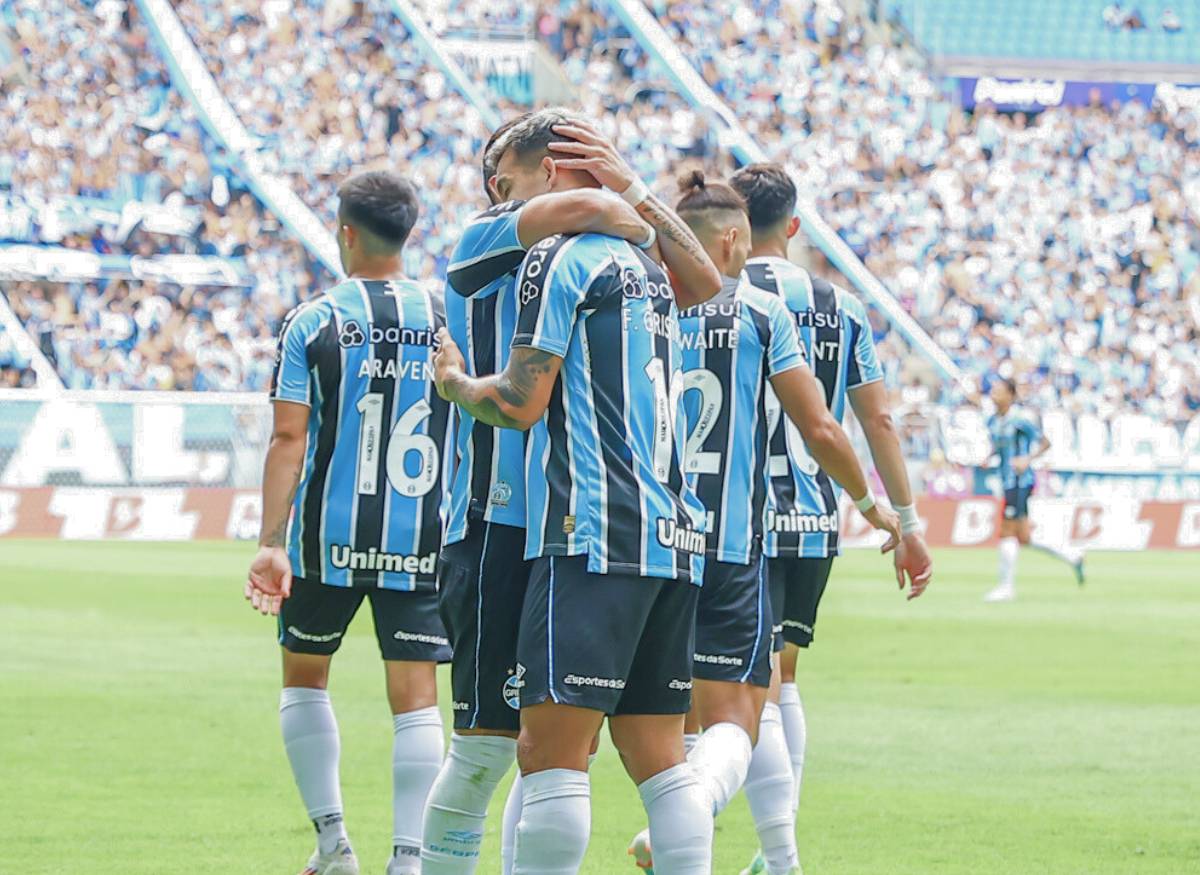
1059	734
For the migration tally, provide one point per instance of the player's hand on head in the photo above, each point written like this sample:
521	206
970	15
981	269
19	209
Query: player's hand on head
886	520
269	581
589	150
448	363
912	560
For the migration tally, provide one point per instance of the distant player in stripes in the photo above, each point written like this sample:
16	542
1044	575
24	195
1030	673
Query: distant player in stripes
803	524
352	495
483	575
616	537
1017	442
743	368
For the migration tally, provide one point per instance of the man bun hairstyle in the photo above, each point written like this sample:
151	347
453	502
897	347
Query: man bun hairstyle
769	192
700	195
382	203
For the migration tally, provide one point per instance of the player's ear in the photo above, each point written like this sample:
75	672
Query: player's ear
493	192
349	235
549	168
793	226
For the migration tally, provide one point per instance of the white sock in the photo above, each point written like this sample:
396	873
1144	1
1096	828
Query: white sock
770	792
556	823
689	741
681	825
795	731
721	759
310	736
1061	555
458	801
1009	548
416	758
508	829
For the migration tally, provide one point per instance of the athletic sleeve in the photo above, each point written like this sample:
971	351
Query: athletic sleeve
550	287
864	363
290	379
785	349
1033	430
488	249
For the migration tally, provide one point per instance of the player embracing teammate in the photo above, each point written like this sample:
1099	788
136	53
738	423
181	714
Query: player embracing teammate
601	464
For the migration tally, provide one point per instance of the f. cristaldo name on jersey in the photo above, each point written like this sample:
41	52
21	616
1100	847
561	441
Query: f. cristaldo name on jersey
671	534
371	559
660	324
802	522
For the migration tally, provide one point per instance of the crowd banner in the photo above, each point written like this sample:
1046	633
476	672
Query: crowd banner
1035	94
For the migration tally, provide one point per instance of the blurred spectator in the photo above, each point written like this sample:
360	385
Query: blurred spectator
1170	21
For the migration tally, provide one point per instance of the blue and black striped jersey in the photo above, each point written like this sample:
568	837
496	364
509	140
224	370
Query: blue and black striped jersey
1014	434
603	472
368	508
836	337
732	344
481	313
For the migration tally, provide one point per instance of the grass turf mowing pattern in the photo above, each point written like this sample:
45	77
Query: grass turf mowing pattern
1058	734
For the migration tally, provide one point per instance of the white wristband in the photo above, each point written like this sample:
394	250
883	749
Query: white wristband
909	521
649	240
636	193
865	503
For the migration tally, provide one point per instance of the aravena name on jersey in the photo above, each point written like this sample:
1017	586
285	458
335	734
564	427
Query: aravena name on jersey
836	337
732	344
367	510
1014	435
481	314
603	472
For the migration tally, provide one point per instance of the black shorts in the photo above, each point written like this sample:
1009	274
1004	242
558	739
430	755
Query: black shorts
314	618
616	643
733	623
482	583
796	589
1016	502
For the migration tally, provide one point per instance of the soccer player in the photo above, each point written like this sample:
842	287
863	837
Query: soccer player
352	494
616	537
1017	442
803	525
483	575
742	364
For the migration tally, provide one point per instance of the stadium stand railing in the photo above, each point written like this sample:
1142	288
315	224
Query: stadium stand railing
10	325
659	45
190	75
430	45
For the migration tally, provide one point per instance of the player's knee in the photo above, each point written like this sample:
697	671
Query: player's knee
305	670
411	685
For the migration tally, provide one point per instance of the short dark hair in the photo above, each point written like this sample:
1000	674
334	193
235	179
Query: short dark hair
384	204
491	157
769	192
530	135
701	195
1011	384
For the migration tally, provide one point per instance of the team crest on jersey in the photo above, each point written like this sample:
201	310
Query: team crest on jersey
512	688
351	335
501	494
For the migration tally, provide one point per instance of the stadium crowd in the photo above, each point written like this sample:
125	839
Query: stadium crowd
1059	249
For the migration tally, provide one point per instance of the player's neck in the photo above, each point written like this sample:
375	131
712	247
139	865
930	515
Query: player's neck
384	267
770	249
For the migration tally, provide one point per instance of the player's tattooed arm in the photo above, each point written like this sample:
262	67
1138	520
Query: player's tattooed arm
515	398
269	580
696	278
